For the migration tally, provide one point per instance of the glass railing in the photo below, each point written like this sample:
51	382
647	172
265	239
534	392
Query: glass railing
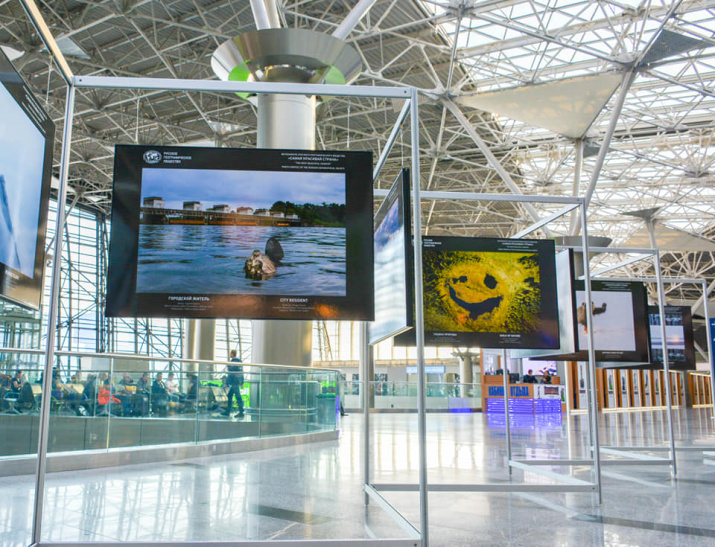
100	401
446	397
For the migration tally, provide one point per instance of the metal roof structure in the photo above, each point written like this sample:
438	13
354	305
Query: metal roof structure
517	96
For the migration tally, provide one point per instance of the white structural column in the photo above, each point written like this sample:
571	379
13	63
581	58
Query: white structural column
466	364
284	121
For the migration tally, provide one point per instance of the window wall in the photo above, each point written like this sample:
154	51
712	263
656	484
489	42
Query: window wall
82	326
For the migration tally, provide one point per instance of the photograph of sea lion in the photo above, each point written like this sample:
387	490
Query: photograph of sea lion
262	266
206	231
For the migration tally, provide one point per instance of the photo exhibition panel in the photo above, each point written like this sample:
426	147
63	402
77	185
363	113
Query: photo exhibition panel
242	233
26	141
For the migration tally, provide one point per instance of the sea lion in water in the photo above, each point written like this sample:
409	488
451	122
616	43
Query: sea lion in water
274	249
261	266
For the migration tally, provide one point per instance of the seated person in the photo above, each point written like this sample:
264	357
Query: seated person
89	397
529	378
127	381
5	382
105	397
143	383
159	393
546	378
77	378
192	393
17	381
172	388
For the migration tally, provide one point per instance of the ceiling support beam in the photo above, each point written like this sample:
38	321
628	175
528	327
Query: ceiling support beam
579	144
260	15
492	160
626	82
352	19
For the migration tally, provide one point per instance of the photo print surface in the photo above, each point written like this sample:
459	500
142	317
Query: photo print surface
620	330
270	234
613	322
26	140
490	293
192	254
393	263
679	337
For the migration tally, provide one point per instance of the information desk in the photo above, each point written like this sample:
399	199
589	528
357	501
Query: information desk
523	398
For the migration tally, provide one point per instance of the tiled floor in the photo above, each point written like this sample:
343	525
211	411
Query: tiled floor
314	491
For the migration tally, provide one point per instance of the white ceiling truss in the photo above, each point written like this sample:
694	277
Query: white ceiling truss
661	154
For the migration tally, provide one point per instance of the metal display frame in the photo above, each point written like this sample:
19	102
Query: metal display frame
564	483
373	492
630	454
408	94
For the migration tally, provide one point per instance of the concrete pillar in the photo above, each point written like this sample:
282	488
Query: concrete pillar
284	121
199	340
465	373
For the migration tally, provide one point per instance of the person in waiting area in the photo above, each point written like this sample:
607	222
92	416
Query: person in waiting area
192	393
234	381
17	381
529	378
143	384
172	388
105	398
159	394
126	380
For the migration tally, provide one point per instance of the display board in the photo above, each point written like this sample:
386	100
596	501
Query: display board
679	337
393	263
619	318
26	142
620	327
241	233
488	293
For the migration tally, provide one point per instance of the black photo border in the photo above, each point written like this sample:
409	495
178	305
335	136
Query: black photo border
124	301
400	193
547	338
14	285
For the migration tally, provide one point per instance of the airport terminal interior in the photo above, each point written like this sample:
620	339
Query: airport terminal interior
319	271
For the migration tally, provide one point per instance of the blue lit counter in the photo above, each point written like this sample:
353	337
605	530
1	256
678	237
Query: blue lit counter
523	398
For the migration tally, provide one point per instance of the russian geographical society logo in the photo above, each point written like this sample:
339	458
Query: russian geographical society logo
152	156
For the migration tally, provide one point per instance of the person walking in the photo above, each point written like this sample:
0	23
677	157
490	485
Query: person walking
234	381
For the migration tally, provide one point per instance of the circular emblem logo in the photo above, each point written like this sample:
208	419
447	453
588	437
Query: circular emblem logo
152	156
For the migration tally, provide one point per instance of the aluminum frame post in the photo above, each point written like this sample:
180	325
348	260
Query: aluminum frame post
52	321
593	406
419	317
710	343
365	348
507	425
666	364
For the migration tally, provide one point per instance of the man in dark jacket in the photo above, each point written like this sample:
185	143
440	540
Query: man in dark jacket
234	381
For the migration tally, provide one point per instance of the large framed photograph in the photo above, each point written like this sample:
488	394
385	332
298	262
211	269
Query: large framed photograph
249	233
679	337
26	141
488	293
620	329
394	304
